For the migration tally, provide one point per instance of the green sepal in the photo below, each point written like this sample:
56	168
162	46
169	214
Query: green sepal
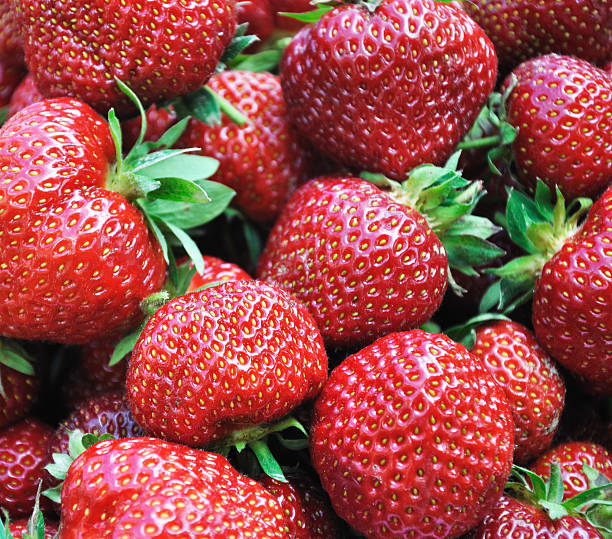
309	16
466	333
239	42
190	167
126	345
431	327
206	106
259	62
14	356
268	463
185	273
167	140
3	115
506	295
470	251
179	190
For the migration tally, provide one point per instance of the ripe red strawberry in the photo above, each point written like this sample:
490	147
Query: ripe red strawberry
388	88
224	359
532	384
411	436
289	6
571	457
562	107
261	160
522	29
18	393
25	94
514	518
10	43
10	77
23	449
20	527
216	270
568	270
168	49
363	264
308	513
259	17
145	487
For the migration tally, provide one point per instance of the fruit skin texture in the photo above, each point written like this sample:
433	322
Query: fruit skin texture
21	392
10	45
365	89
308	513
25	94
513	518
261	160
161	49
530	379
571	456
19	527
229	357
572	305
522	29
145	487
411	435
23	449
216	270
10	77
76	259
562	107
363	264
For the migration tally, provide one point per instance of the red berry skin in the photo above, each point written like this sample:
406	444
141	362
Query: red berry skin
10	43
289	6
571	456
23	450
229	357
307	510
388	90
21	392
10	77
261	160
562	107
363	264
513	518
259	17
76	259
522	29
20	527
145	487
572	305
530	379
168	49
411	436
216	270
25	94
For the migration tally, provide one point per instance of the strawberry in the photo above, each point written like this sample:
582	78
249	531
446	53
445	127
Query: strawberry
159	120
105	414
261	160
25	94
19	383
77	257
567	269
365	262
10	77
521	29
222	360
23	449
389	86
308	513
530	379
20	527
10	43
216	270
166	50
289	6
411	436
259	17
562	108
145	487
572	456
514	518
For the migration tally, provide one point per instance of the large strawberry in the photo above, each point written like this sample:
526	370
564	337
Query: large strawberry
523	29
261	160
145	487
77	257
10	43
222	360
23	449
366	262
412	437
389	85
568	271
530	379
160	49
562	109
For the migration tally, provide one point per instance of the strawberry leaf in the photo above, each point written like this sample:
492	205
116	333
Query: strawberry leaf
308	16
125	345
470	251
239	42
157	157
15	357
268	463
188	166
554	484
179	190
262	61
466	333
3	115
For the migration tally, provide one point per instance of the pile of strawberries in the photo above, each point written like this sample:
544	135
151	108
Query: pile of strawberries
349	278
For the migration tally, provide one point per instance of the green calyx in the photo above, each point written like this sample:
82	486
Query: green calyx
492	130
465	333
446	201
255	438
540	227
36	522
78	442
593	505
